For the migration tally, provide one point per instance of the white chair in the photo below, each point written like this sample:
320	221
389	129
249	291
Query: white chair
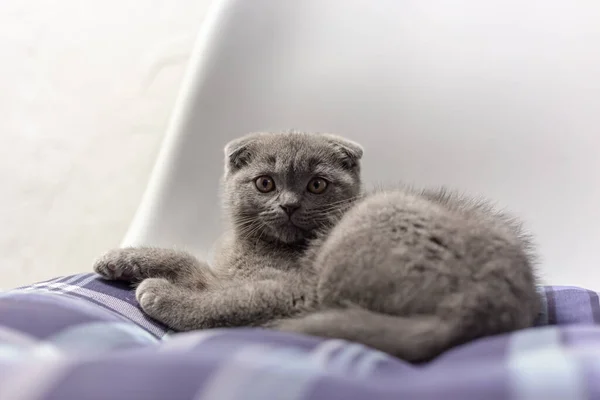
499	98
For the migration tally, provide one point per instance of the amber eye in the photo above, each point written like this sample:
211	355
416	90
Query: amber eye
264	184
317	185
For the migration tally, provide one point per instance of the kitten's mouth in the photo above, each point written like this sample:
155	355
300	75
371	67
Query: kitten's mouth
292	225
289	232
289	225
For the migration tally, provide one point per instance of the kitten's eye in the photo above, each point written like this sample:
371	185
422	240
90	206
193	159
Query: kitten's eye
317	185
264	184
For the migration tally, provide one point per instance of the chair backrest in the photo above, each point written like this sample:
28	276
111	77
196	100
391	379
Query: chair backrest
499	98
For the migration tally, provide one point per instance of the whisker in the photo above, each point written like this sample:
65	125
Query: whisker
339	207
334	204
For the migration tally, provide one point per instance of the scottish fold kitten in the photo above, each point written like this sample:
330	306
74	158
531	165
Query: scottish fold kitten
280	191
408	272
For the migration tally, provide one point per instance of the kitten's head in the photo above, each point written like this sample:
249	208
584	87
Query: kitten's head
285	187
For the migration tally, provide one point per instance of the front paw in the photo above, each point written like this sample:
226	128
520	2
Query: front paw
120	264
155	296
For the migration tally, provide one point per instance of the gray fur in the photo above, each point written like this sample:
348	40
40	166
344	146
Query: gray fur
410	273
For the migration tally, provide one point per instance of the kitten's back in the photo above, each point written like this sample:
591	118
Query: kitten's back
413	273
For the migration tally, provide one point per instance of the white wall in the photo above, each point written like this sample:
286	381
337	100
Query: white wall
86	89
499	98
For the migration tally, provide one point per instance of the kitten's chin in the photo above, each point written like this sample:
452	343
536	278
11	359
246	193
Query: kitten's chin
290	234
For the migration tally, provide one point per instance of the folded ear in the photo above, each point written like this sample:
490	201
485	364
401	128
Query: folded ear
349	151
237	153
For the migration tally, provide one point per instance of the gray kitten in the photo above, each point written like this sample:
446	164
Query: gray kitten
410	273
280	192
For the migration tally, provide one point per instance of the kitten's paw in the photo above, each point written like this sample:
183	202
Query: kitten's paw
155	297
119	264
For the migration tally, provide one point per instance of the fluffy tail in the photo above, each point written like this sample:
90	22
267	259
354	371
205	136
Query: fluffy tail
414	339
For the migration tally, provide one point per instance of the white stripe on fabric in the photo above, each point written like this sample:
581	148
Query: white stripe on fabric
73	284
323	353
98	337
38	284
14	344
367	364
41	286
46	351
70	285
353	359
256	372
234	376
342	363
10	353
34	380
17	338
540	368
58	283
184	342
24	345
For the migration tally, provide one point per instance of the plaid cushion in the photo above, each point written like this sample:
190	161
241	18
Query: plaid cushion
81	337
115	296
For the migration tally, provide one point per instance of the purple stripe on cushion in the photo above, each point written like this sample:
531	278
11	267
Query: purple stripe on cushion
115	296
42	315
469	381
121	290
542	318
136	375
571	305
117	289
551	305
486	348
245	336
594	304
580	336
339	387
591	372
151	326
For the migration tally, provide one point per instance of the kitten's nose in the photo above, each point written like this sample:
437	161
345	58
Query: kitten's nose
289	208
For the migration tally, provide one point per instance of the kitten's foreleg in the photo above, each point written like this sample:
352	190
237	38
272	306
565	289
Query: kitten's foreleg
135	264
241	304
